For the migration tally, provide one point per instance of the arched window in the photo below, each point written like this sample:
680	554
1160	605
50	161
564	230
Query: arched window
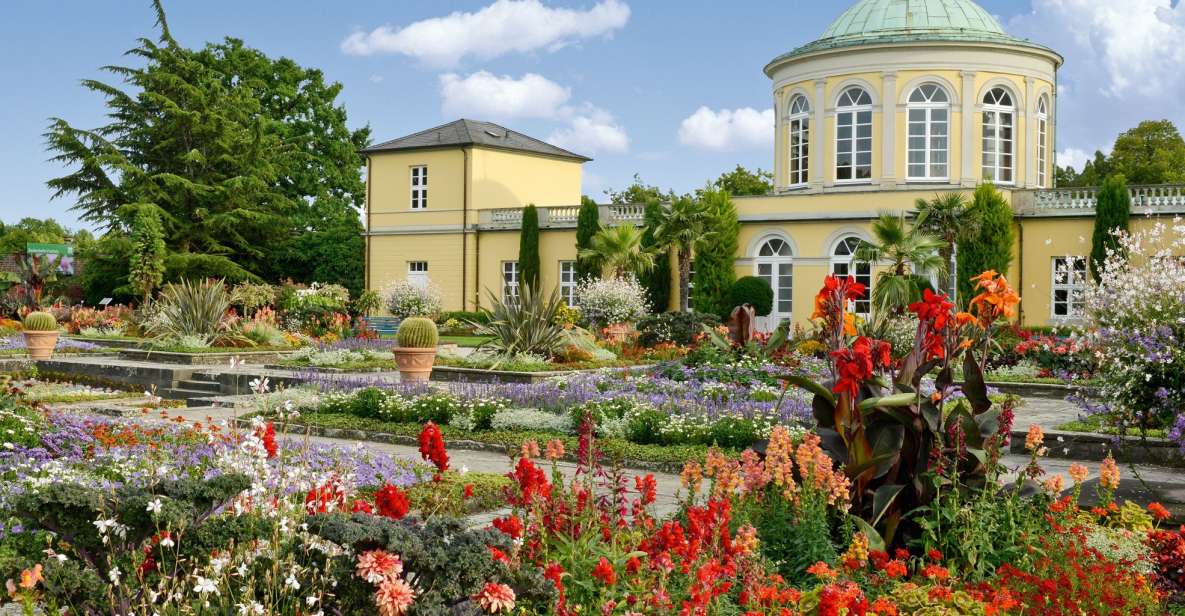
998	122
800	138
843	264
775	263
929	123
1042	140
853	136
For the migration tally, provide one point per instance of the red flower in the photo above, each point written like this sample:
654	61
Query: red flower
934	312
604	572
432	446
498	555
1158	511
935	572
467	492
647	487
895	568
853	366
510	525
934	554
267	434
392	502
532	482
361	506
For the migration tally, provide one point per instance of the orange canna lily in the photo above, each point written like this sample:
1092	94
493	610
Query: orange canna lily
849	324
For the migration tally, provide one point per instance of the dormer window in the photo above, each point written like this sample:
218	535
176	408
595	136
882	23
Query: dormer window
853	136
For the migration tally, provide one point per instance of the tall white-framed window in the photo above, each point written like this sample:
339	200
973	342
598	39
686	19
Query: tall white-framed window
774	262
853	136
1069	287
800	139
929	133
417	273
1042	140
419	187
844	264
510	281
999	121
568	282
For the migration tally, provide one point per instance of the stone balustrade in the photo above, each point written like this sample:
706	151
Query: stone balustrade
1168	198
560	217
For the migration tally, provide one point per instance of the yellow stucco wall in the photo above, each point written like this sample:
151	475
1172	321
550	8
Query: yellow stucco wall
508	179
389	199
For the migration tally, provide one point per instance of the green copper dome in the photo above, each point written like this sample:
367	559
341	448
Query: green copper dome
878	22
875	17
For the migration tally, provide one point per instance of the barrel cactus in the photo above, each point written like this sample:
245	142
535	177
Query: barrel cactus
417	333
40	322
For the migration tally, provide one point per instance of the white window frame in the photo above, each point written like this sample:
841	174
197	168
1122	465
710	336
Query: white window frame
417	273
418	177
848	110
859	270
1042	141
800	141
774	263
1069	274
568	282
997	148
928	108
510	282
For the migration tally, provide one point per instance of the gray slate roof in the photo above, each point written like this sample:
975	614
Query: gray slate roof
473	132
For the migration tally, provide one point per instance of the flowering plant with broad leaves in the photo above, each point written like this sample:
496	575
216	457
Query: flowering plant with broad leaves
880	426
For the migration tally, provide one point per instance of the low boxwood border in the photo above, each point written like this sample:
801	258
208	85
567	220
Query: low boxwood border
614	451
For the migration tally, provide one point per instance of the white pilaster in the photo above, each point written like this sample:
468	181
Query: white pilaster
819	139
888	130
1030	144
970	152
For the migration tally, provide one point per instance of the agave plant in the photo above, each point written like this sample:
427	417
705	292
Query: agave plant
881	428
191	311
526	325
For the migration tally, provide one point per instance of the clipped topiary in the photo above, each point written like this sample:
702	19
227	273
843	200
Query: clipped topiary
40	322
755	291
417	333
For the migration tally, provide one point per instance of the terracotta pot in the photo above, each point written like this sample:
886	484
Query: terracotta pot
617	333
415	365
41	344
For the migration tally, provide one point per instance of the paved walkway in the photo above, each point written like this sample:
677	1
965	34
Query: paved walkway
1049	413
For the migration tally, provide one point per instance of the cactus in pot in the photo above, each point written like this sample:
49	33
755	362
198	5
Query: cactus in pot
41	334
416	352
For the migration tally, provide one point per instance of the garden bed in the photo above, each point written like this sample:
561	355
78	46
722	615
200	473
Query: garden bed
1097	446
210	357
486	375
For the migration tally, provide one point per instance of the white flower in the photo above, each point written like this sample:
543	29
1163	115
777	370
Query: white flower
260	386
291	582
217	564
464	469
167	542
205	586
310	600
154	506
113	575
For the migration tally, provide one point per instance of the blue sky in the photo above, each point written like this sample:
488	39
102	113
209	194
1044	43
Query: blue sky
669	89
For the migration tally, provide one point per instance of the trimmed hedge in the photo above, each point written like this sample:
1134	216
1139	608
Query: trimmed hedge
753	290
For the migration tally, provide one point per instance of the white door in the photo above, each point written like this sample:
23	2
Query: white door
775	264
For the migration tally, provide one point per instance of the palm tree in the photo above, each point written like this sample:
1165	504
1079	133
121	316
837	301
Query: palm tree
908	251
950	218
682	226
619	250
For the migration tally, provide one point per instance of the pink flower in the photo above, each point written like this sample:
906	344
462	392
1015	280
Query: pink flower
377	566
394	597
495	598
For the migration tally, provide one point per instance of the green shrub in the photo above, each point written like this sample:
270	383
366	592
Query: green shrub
643	426
755	291
463	316
437	407
733	432
519	419
674	327
527	326
367	402
195	310
417	333
40	322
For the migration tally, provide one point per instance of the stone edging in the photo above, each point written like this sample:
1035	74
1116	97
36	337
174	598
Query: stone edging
1093	446
466	444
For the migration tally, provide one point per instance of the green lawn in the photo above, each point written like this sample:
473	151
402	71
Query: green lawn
465	341
1097	424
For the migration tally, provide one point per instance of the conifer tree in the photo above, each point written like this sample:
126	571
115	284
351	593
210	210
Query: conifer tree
656	281
715	258
147	266
587	225
1112	212
528	248
990	247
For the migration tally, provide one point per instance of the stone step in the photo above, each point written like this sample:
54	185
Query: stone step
200	385
181	393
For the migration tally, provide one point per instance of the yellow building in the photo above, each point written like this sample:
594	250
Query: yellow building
898	100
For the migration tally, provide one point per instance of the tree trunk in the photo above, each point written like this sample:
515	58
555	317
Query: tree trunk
684	279
946	281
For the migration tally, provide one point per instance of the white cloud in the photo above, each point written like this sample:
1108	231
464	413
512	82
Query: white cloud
1074	157
728	129
485	95
1136	43
590	130
506	26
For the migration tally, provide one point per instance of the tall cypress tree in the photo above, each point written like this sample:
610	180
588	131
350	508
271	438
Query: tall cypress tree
1113	212
528	248
587	225
147	265
990	247
715	259
656	281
